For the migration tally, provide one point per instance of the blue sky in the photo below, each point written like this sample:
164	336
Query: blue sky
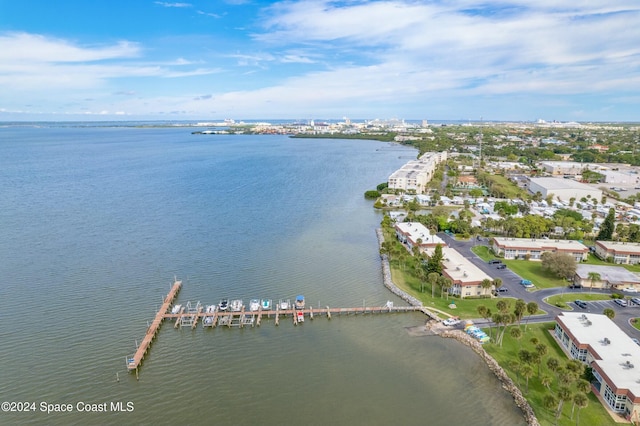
243	59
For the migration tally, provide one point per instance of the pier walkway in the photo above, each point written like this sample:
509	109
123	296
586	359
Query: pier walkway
216	317
134	361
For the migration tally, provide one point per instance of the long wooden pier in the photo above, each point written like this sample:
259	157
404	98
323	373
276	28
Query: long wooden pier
241	318
134	361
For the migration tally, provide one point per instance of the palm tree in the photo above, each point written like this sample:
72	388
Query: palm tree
593	276
583	386
516	333
532	308
581	401
497	283
432	279
541	350
445	285
564	394
527	373
553	364
486	283
550	401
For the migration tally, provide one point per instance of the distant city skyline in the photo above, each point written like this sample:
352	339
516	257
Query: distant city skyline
513	60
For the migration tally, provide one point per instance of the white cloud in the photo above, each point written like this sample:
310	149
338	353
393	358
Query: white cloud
167	4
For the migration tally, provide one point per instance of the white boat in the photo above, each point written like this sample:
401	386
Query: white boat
176	309
300	316
300	302
236	305
208	320
283	305
254	305
266	304
210	309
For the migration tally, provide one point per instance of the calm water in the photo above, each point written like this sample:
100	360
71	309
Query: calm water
95	223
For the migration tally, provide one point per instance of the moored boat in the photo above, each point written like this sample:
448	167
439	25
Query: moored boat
300	302
176	309
236	305
283	305
266	304
254	305
300	316
223	305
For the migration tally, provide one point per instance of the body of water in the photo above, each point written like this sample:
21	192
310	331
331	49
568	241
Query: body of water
96	221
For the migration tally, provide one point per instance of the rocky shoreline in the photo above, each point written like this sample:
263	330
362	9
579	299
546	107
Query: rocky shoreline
434	326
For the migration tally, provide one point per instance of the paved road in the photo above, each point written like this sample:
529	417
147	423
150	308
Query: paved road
511	281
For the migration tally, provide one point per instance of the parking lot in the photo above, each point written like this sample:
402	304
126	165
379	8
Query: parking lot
597	306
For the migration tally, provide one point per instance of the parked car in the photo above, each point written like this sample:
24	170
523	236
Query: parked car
582	304
494	261
526	283
575	286
502	289
636	341
630	290
635	300
620	302
502	266
451	321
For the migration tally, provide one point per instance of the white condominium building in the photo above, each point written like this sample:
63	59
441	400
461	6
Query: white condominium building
415	175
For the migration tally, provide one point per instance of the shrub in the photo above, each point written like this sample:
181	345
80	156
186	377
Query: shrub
373	194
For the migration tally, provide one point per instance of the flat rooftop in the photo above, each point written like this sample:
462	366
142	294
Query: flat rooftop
592	329
612	274
560	183
620	246
542	244
416	230
459	268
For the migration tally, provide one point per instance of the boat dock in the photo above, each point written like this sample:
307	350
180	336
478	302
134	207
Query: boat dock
189	315
133	362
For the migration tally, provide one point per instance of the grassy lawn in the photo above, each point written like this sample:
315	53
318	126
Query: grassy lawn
595	260
529	270
593	414
483	253
563	301
465	308
635	322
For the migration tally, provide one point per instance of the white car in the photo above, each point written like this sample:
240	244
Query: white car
451	321
630	290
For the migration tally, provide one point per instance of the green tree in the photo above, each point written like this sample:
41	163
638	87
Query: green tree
580	400
561	264
527	372
546	381
519	310
516	333
608	226
593	276
610	313
564	394
434	262
432	279
541	350
532	308
553	364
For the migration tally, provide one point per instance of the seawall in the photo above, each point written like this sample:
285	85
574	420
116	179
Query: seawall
434	325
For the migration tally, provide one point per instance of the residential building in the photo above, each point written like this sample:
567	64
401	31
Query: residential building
466	277
564	189
415	175
615	277
619	252
532	248
415	234
614	358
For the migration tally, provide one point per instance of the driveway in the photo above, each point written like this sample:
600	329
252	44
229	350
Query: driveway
511	281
